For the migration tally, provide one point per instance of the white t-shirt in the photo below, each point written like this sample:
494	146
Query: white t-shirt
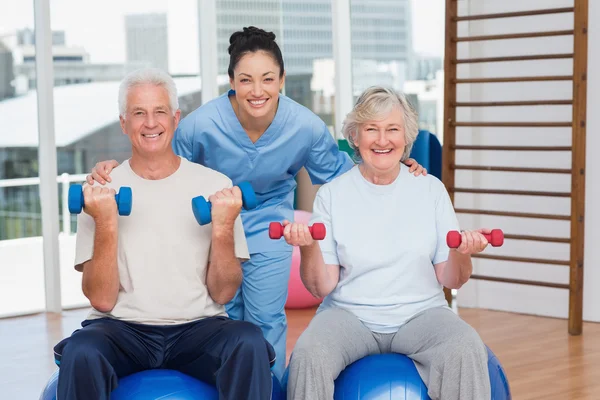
386	240
162	251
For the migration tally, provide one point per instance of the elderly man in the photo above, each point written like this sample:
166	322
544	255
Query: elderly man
156	279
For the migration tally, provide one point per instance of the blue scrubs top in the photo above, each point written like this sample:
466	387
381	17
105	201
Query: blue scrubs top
213	136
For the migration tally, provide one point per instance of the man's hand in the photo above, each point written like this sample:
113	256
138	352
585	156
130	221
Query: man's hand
100	204
226	205
100	172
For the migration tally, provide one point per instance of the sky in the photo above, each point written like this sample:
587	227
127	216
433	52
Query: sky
98	26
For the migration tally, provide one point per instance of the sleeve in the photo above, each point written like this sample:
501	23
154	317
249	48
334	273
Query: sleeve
445	221
84	240
322	213
239	240
326	160
183	139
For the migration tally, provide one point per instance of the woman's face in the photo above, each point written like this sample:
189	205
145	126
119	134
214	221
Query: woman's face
257	84
381	142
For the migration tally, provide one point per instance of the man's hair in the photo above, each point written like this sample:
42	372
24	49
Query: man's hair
152	76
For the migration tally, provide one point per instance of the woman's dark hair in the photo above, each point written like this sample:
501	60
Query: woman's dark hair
251	40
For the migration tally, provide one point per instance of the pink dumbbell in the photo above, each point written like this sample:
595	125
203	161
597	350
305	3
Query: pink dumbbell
496	238
317	231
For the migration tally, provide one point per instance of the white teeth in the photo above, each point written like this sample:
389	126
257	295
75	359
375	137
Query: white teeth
382	151
152	136
258	102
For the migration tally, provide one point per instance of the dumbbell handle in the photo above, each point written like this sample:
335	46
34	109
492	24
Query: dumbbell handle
495	238
82	199
76	200
317	231
202	208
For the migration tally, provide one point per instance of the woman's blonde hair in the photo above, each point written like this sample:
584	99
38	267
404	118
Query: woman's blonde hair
373	104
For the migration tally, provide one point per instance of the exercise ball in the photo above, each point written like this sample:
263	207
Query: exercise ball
298	295
394	376
163	384
379	377
49	392
498	381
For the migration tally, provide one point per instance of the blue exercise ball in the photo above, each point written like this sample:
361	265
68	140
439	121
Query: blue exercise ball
49	392
160	384
379	377
163	384
498	381
394	376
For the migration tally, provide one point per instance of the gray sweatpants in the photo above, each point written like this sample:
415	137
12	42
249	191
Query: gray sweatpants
448	353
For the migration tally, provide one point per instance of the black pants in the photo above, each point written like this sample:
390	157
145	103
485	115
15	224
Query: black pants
233	355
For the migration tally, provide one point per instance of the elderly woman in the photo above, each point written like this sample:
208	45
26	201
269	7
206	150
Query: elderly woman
383	264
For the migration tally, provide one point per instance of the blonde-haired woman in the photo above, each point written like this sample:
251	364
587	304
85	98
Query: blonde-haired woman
383	265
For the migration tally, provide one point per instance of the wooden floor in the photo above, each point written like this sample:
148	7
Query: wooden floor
541	360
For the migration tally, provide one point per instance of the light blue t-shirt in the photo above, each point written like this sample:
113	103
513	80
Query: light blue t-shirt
213	136
386	240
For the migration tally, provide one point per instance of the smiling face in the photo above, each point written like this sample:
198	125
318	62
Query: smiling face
381	142
149	120
257	83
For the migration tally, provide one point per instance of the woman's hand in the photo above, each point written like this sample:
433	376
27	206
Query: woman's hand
297	234
473	242
100	172
415	167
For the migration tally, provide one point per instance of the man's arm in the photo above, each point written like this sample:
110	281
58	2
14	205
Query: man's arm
224	275
100	281
224	271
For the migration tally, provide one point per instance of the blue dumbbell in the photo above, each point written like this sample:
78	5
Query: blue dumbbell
76	201
202	208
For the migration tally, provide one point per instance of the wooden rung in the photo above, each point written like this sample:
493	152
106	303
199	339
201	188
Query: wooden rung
510	192
511	169
513	58
512	103
515	124
512	148
513	36
521	281
537	238
514	14
516	79
521	259
512	214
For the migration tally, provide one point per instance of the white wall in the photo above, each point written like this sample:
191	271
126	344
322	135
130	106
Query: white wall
503	296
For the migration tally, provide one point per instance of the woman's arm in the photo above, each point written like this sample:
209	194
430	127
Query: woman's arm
457	270
319	278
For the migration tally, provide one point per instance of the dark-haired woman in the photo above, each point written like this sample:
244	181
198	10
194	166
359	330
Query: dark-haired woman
253	133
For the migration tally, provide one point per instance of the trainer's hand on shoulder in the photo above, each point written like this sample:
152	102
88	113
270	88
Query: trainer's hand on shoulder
101	172
226	205
415	168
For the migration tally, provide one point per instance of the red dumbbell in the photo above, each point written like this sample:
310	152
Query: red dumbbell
317	231
496	238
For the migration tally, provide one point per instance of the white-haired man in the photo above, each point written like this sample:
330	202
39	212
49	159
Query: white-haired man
156	279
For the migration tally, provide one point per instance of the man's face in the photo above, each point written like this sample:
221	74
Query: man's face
149	120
